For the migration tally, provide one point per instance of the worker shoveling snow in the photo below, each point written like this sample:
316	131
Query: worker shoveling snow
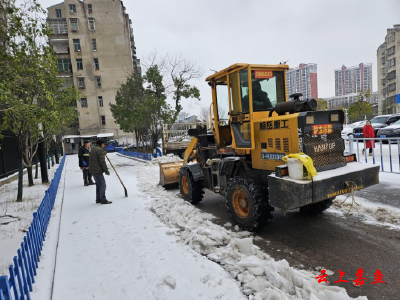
258	275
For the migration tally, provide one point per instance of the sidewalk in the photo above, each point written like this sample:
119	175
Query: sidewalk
122	250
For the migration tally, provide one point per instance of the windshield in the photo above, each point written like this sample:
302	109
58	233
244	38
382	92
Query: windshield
379	120
396	123
268	89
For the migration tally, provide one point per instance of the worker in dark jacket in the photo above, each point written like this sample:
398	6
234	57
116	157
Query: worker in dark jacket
97	167
84	163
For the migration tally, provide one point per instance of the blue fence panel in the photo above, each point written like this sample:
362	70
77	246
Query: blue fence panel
23	271
392	142
145	156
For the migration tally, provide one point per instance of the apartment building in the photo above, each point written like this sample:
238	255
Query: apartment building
346	100
303	79
96	52
388	65
349	80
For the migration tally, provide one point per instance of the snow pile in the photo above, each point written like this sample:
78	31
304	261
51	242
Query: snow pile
368	211
258	275
165	159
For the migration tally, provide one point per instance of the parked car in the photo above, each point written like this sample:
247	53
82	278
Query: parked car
377	123
390	131
348	129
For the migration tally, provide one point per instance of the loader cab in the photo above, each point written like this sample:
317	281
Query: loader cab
242	94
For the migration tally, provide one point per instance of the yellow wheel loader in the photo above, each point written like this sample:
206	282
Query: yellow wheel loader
253	126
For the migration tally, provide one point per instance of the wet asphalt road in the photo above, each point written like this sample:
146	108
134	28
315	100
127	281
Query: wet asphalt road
331	242
382	193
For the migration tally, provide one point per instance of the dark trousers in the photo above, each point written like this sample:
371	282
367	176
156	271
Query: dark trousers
87	176
370	150
100	187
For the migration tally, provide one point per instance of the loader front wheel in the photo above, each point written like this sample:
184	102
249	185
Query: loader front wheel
316	208
247	203
191	190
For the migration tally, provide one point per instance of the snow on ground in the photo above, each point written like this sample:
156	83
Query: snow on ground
258	275
122	250
13	229
370	212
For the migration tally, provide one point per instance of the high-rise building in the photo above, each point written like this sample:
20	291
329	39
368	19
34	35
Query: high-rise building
96	52
353	79
303	79
388	72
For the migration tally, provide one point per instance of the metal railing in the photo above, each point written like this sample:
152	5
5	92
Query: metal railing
23	271
386	156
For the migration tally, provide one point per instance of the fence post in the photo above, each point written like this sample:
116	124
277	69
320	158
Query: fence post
24	277
351	144
5	289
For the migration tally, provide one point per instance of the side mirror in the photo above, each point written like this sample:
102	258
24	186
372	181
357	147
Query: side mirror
193	132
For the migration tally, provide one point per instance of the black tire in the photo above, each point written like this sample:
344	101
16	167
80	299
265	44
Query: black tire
191	190
317	208
256	204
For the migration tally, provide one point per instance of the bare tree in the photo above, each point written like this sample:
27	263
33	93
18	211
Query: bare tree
182	71
204	113
178	73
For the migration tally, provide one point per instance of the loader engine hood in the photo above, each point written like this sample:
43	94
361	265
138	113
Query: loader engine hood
319	134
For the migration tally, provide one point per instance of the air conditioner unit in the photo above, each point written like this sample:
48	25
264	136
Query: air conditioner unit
71	11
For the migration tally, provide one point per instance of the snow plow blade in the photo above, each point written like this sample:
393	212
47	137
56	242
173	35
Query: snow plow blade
326	185
169	172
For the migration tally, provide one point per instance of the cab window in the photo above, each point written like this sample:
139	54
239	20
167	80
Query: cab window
222	103
268	89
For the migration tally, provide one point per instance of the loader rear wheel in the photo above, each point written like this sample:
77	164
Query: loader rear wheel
191	190
247	203
316	208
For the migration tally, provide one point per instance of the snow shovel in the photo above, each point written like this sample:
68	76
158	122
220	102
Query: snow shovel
126	192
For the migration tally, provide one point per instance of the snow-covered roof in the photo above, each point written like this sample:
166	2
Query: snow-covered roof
102	135
71	136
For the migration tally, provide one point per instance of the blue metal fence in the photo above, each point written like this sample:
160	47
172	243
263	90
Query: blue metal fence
23	271
145	156
393	144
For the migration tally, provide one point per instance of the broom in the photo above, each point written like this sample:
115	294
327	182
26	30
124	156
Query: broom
126	192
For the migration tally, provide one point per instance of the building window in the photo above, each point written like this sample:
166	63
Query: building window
79	64
96	63
98	81
94	44
391	87
77	45
58	26
72	8
91	24
74	23
391	50
84	102
101	103
90	9
391	62
81	82
103	120
64	65
58	13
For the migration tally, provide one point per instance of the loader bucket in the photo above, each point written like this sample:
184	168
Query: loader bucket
169	172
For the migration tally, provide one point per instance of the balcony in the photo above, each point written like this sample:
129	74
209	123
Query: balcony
58	26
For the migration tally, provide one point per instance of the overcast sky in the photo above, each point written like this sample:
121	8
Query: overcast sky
219	33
